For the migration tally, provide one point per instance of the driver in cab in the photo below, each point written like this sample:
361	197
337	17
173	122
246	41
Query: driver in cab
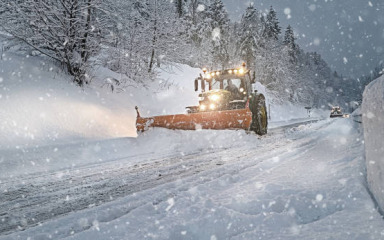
233	89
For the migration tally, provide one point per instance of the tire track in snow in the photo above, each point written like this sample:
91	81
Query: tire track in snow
56	194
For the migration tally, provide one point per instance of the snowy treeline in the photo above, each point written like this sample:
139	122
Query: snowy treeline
135	37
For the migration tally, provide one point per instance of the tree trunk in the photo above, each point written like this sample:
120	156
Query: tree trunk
84	52
151	62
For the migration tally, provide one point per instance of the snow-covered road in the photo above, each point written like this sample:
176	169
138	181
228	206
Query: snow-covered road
305	181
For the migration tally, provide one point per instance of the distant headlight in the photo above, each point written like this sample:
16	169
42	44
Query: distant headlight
214	97
241	70
212	106
241	89
203	107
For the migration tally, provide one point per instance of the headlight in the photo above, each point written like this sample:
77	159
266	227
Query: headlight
241	89
203	107
212	106
241	70
214	97
230	71
208	76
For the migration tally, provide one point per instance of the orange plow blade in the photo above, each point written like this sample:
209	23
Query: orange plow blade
229	119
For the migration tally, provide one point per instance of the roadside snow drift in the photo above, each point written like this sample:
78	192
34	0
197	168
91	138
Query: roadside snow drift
373	121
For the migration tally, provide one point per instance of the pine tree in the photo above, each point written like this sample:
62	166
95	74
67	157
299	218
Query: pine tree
272	27
289	38
219	26
289	42
250	31
180	7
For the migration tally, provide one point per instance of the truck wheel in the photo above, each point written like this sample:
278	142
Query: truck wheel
259	114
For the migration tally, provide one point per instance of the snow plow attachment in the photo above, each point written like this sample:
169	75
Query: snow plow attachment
228	119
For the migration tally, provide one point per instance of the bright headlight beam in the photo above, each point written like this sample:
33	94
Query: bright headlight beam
214	97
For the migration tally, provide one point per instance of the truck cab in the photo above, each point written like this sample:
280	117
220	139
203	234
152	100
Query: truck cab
223	90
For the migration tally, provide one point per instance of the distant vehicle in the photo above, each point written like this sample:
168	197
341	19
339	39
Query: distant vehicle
336	112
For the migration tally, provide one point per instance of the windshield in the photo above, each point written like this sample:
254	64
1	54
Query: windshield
226	82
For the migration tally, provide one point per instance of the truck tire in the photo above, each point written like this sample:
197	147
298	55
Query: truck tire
258	108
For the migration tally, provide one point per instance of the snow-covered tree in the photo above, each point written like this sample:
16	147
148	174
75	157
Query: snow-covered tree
272	28
219	28
149	34
289	42
128	41
167	33
249	35
65	30
180	7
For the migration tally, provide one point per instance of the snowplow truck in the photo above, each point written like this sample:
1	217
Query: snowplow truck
226	101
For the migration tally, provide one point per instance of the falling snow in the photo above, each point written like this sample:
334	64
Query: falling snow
73	166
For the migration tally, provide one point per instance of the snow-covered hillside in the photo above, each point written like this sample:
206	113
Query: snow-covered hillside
373	121
40	106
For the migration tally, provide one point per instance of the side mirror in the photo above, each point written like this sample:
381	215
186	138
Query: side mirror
196	85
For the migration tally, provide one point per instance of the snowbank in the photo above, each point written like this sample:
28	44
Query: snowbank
40	106
373	122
